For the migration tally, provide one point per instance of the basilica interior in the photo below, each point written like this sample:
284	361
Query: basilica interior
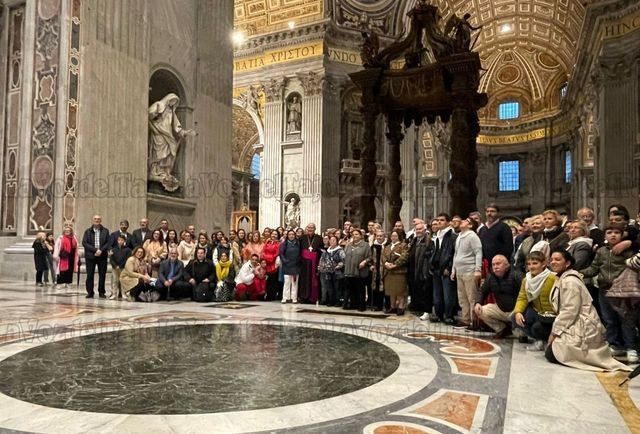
276	118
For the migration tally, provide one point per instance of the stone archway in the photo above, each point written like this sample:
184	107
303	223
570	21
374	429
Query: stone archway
247	141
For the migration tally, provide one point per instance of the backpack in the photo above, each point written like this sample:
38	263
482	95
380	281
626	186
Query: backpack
326	263
202	293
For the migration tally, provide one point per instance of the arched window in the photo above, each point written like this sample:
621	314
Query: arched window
508	110
563	91
255	166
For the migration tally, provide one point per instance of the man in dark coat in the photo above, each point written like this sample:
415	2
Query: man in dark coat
418	271
171	282
96	244
142	234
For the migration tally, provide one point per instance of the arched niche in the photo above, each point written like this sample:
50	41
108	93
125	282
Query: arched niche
163	80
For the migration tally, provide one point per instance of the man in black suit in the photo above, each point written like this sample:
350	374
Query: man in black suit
96	244
142	234
171	283
444	291
128	238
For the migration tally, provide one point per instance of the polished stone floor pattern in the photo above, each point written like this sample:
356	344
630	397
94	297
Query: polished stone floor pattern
70	365
186	369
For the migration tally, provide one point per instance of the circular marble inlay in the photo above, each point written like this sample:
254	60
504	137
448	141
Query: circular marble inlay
187	369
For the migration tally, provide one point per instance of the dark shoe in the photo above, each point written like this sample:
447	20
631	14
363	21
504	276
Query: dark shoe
434	318
400	312
449	321
102	296
88	296
503	333
523	339
362	309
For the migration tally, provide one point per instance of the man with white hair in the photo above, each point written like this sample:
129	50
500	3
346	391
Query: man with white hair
504	283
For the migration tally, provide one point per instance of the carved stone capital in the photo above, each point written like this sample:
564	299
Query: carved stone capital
312	83
274	89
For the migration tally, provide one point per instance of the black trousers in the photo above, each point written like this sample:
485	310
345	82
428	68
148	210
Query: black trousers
139	289
422	296
101	262
354	293
179	289
274	290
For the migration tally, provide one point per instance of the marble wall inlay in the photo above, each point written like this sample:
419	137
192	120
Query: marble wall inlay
71	139
45	113
13	107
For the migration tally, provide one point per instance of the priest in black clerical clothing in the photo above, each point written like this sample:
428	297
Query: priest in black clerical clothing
310	246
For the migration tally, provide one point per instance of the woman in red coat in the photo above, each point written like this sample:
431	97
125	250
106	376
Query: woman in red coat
270	254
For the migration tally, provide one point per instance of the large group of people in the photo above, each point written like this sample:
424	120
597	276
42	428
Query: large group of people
562	286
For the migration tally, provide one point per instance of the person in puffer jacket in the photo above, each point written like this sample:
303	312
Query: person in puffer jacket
607	266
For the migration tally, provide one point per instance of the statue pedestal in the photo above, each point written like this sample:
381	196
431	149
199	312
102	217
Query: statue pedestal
179	212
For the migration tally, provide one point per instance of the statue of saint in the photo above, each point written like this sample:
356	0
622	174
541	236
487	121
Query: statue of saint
165	137
292	213
294	115
462	35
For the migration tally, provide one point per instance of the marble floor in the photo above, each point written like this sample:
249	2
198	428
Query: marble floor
69	365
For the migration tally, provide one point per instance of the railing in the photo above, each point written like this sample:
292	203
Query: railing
353	167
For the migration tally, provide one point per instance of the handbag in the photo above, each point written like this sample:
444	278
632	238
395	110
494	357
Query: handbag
202	293
626	285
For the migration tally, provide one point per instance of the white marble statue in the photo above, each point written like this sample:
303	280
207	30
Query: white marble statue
292	213
165	137
294	115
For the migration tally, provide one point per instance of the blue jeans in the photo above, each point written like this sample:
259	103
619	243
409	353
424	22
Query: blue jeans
611	320
532	327
444	296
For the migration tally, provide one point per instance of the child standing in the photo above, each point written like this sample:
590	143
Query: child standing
607	266
50	242
119	255
40	257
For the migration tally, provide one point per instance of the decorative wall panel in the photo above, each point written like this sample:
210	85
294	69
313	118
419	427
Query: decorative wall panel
45	111
71	139
13	107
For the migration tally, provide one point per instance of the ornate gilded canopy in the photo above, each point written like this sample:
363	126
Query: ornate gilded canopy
430	73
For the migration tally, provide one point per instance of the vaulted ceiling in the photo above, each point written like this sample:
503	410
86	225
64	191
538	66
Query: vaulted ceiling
528	47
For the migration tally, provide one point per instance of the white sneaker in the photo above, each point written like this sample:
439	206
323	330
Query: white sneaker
632	356
143	296
284	301
424	317
295	301
113	297
537	346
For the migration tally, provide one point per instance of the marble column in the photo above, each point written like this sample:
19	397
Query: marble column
312	139
463	165
270	177
213	84
112	132
410	160
394	187
619	129
331	133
